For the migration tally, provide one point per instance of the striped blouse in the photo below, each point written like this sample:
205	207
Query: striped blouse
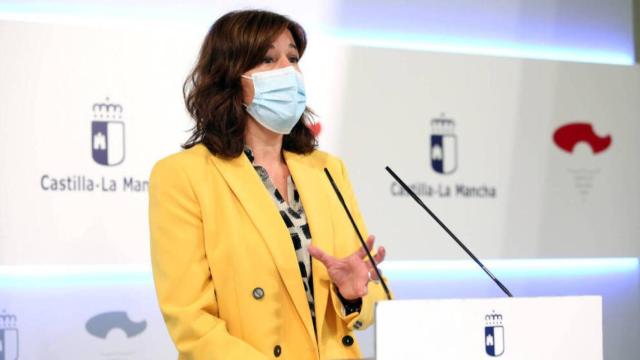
293	215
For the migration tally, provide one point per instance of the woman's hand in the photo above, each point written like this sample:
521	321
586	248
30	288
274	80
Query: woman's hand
350	274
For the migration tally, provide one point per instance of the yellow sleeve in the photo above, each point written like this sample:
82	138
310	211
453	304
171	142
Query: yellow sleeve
365	317
184	286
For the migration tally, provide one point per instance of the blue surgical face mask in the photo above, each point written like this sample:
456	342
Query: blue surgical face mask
278	99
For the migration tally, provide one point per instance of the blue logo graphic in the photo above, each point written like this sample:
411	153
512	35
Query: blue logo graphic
443	151
9	341
107	134
101	324
493	335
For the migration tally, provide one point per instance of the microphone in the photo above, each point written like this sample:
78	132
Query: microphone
417	199
355	227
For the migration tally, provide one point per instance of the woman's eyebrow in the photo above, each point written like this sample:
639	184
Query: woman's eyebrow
291	46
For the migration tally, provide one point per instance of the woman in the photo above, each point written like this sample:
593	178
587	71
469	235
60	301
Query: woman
253	255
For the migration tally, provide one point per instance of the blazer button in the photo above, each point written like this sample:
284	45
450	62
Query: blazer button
357	324
347	340
277	351
258	293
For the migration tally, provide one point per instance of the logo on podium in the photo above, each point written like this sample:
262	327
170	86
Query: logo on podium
107	133
444	143
493	334
9	341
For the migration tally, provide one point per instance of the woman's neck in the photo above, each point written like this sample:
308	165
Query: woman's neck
265	144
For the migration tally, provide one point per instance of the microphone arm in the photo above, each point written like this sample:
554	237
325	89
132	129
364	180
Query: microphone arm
417	199
355	227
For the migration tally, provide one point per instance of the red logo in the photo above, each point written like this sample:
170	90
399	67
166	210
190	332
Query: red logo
569	135
315	128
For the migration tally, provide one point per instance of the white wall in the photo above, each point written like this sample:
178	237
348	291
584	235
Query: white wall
68	55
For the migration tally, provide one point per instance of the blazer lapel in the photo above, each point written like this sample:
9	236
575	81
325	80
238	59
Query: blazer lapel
258	203
312	186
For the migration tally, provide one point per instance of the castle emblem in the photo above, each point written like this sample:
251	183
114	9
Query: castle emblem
493	334
107	133
443	150
9	341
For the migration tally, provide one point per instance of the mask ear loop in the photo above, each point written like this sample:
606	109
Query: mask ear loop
311	123
249	78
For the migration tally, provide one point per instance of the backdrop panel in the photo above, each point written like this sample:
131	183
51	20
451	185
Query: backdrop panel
86	110
522	158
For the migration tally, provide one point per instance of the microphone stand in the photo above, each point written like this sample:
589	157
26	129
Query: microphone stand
455	238
355	227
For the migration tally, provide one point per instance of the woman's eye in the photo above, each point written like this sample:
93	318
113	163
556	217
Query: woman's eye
267	60
294	59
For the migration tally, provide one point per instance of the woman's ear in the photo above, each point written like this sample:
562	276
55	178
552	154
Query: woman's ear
247	90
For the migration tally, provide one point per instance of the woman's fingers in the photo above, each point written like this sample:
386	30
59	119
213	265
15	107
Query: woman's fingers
351	274
362	252
378	258
320	255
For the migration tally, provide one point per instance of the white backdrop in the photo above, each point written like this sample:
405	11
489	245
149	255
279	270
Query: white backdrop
512	194
55	76
505	112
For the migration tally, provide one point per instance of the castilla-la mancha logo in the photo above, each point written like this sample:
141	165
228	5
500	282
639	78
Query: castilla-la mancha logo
103	324
100	325
493	334
582	167
444	143
9	341
107	133
567	136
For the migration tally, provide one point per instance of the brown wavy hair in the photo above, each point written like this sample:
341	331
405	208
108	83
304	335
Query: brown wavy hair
236	43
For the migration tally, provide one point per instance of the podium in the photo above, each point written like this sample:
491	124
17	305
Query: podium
538	328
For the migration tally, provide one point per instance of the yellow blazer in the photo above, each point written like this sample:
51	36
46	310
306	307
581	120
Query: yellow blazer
225	270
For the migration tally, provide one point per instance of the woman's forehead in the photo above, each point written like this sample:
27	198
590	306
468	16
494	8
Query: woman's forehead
284	41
